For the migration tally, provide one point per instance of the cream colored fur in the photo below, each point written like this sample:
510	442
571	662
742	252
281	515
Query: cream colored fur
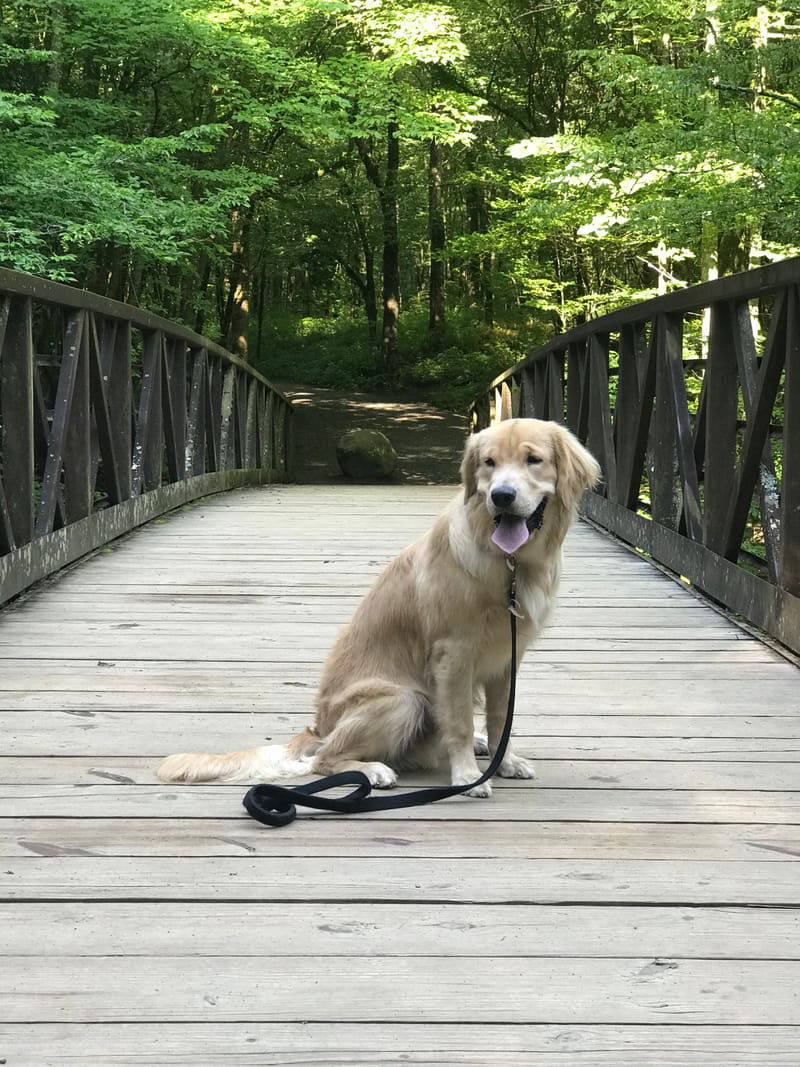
399	687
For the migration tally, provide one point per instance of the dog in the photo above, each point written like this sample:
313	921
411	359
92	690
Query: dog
430	640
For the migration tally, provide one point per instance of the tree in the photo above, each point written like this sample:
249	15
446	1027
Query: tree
253	168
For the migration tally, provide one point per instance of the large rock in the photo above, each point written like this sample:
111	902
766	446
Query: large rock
366	454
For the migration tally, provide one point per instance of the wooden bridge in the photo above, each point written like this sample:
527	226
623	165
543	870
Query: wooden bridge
636	905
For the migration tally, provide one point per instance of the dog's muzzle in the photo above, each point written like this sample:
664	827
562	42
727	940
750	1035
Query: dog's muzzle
513	531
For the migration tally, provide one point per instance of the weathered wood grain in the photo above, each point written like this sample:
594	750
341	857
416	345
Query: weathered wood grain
550	773
341	930
334	1044
457	838
514	880
109	736
23	673
522	990
518	802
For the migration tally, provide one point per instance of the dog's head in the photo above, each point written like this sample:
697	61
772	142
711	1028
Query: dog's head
516	467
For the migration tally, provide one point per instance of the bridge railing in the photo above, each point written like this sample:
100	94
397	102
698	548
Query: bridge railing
110	416
691	404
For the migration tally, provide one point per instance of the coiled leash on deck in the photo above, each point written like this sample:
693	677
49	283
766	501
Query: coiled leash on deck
274	805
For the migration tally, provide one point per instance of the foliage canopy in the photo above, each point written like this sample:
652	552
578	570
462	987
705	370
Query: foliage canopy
256	167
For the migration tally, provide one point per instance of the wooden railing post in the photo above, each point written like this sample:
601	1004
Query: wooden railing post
555	387
539	389
227	424
599	432
106	451
720	425
68	375
527	388
120	402
574	384
632	353
790	487
16	396
769	494
194	461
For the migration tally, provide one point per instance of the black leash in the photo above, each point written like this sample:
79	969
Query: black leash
274	805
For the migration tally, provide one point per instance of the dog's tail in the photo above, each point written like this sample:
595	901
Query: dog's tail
264	763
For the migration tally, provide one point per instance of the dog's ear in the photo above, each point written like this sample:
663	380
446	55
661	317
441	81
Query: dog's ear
576	468
469	467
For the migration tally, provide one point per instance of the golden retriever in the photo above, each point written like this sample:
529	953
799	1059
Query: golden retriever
430	639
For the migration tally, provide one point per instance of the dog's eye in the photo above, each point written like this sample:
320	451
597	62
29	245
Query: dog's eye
533	459
489	462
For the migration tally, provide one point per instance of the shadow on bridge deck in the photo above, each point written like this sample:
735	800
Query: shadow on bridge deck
636	905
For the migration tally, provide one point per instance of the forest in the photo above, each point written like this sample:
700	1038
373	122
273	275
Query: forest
395	193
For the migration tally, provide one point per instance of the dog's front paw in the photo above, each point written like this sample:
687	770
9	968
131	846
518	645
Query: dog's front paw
480	791
480	745
380	776
515	767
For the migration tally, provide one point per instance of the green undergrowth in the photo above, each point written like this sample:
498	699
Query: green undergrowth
447	369
331	353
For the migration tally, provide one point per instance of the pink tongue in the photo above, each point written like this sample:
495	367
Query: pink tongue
511	534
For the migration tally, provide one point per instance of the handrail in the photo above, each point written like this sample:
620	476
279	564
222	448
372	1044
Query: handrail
685	475
109	416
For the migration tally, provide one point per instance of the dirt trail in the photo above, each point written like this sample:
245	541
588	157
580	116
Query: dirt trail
428	441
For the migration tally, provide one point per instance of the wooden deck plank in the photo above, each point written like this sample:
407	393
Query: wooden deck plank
120	735
341	930
168	690
519	802
647	884
463	839
550	773
334	1044
374	989
297	661
103	736
369	880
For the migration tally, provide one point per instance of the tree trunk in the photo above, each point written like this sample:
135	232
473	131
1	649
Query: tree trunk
56	45
436	231
487	262
479	267
203	284
366	286
277	291
134	286
387	189
370	296
708	272
734	252
389	356
473	202
663	267
238	311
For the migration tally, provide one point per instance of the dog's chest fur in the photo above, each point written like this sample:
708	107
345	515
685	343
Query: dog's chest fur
484	612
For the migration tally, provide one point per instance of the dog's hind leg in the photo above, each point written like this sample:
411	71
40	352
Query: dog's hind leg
377	723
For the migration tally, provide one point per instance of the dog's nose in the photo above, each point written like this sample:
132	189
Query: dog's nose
503	496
